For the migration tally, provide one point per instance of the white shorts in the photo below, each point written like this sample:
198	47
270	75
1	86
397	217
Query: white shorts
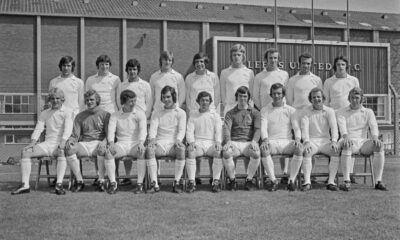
281	146
165	146
49	148
357	145
320	146
90	147
204	145
241	146
127	148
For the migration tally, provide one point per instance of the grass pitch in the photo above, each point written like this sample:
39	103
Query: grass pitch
362	213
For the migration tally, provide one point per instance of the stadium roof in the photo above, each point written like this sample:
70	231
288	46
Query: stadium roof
199	12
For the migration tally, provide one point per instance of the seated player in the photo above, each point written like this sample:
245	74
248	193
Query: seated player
129	126
241	133
57	121
167	130
354	123
88	139
276	134
320	133
204	134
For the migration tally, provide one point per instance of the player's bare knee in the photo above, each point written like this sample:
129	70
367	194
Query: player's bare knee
150	153
180	153
227	154
298	151
191	154
254	154
265	153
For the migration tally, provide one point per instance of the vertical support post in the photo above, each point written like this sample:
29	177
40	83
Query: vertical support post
38	65
164	35
124	49
82	48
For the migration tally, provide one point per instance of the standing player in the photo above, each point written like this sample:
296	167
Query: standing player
89	139
235	76
129	126
241	135
337	88
201	80
354	123
204	134
167	130
320	133
167	76
105	84
57	121
263	80
276	134
72	86
144	99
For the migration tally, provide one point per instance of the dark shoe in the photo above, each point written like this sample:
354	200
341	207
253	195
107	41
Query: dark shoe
284	180
249	186
353	179
380	186
306	187
79	186
198	181
125	182
21	190
274	186
101	186
232	185
291	186
95	181
59	189
112	189
345	186
215	187
191	187
153	188
139	189
210	181
331	187
176	187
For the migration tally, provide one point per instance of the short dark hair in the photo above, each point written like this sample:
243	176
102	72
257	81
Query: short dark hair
242	90
103	58
125	95
132	63
92	92
344	59
65	60
316	89
270	51
306	56
276	86
165	55
202	95
170	89
201	55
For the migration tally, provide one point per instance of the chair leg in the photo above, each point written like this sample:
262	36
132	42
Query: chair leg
48	173
372	171
38	173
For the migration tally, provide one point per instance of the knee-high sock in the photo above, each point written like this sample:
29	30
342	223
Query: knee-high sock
352	160
128	166
61	167
295	167
101	167
378	162
179	166
197	168
109	164
141	170
347	163
153	170
73	163
216	168
254	163
306	167
191	168
269	167
230	167
26	167
333	169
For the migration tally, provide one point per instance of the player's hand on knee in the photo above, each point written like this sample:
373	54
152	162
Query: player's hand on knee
102	147
254	146
69	144
151	143
377	142
191	147
179	144
307	147
111	148
227	146
334	147
141	148
297	143
264	145
218	147
30	146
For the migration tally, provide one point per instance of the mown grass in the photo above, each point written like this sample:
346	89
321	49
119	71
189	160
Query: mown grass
362	213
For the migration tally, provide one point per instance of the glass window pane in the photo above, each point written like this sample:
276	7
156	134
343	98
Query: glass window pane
24	108
25	99
17	99
16	108
8	99
8	108
9	139
22	139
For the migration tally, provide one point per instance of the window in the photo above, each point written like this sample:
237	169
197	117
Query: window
17	139
378	105
17	104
